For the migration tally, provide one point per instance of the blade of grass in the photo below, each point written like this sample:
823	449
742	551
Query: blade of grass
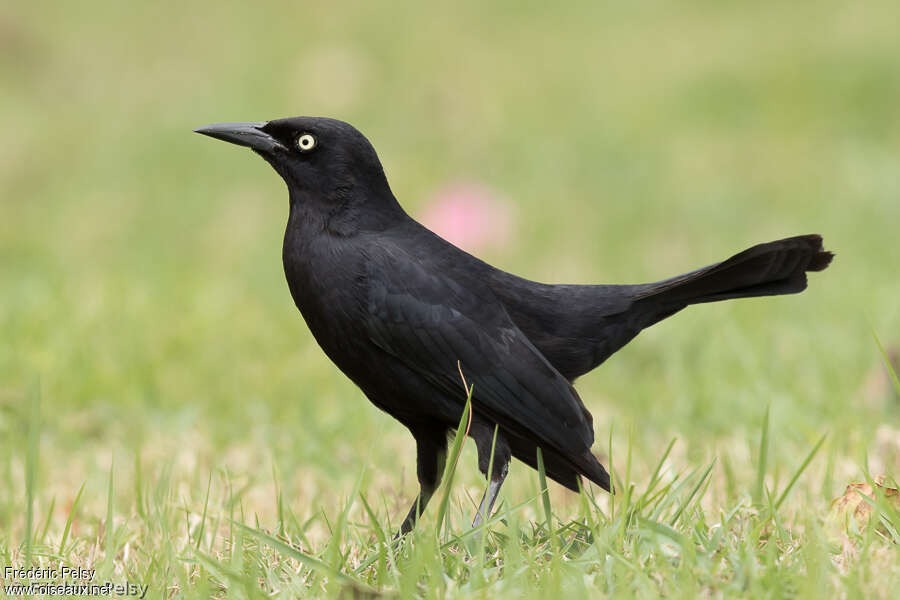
613	476
31	461
387	546
586	507
655	477
380	532
462	430
310	562
500	516
763	459
205	508
881	510
628	486
490	472
65	534
333	552
672	495
46	526
138	485
803	465
887	363
778	529
730	478
237	560
545	492
628	465
279	500
664	530
224	573
690	497
109	546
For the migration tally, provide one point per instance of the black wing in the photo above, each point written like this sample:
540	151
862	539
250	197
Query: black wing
429	320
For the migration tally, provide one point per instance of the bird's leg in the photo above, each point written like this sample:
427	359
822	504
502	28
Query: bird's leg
493	461
431	452
415	511
487	501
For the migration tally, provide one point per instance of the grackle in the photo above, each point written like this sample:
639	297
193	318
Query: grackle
401	311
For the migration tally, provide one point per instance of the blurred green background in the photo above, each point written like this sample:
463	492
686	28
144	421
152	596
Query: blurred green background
141	274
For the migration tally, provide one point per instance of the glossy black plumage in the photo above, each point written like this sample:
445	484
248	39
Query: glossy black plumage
400	311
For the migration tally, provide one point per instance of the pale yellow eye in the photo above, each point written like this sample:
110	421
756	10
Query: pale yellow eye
306	142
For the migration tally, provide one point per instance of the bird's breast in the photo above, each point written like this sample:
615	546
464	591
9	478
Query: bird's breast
326	278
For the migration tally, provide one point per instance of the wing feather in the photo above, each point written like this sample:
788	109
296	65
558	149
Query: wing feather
429	320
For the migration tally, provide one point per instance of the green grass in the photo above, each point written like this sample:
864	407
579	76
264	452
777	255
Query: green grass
166	418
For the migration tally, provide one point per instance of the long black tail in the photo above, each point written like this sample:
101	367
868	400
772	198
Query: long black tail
769	269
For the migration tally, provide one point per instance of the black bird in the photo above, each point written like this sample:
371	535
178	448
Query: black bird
401	311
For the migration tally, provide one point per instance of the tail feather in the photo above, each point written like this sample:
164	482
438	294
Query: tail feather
769	269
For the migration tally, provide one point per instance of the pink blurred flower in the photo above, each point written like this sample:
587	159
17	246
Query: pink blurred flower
470	216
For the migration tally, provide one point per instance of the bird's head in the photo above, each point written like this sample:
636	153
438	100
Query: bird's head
331	170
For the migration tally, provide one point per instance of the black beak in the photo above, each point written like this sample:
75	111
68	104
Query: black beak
243	134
